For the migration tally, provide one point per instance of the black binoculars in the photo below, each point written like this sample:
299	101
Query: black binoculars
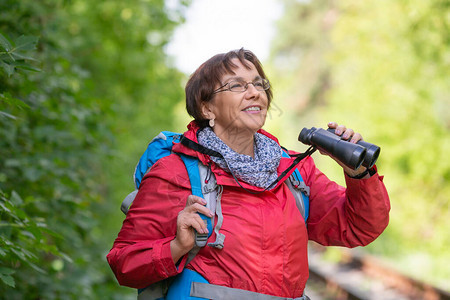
350	154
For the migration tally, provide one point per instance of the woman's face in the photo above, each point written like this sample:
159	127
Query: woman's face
238	112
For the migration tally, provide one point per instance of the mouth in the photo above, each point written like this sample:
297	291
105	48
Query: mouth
252	109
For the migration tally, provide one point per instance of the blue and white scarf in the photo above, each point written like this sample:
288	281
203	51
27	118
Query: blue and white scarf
260	171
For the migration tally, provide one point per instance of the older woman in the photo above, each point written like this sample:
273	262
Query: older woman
265	255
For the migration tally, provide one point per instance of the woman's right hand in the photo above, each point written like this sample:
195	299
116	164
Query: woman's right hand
189	220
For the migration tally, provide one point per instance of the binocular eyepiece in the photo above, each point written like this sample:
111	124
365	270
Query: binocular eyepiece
350	154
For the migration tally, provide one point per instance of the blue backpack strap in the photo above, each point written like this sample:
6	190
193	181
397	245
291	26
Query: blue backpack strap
304	191
191	164
181	286
159	147
300	190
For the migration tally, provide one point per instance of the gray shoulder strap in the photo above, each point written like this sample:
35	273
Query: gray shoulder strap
209	187
155	291
212	193
220	237
297	192
127	201
218	292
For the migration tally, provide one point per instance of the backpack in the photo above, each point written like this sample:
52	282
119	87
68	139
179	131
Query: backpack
203	184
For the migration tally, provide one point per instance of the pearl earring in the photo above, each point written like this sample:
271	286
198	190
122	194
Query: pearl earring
211	123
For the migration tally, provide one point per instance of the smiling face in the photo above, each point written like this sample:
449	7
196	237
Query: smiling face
238	113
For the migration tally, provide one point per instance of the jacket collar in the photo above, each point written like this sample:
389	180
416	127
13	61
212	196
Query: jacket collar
222	177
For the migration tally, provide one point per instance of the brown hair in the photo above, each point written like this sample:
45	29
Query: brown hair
203	81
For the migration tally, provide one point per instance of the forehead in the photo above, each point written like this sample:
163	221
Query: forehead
248	72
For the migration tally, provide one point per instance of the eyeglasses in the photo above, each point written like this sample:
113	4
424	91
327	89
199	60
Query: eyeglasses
240	86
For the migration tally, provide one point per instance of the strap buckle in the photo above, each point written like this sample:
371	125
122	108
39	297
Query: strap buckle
300	185
201	238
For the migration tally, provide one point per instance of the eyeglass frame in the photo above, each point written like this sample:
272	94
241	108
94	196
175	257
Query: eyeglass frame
263	80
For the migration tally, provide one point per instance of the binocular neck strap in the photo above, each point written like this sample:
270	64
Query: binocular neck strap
300	156
202	149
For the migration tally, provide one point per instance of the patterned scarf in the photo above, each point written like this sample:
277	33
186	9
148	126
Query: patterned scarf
259	171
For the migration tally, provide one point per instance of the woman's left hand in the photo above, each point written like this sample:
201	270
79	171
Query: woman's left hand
348	133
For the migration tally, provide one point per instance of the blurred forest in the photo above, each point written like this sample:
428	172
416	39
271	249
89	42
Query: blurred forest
382	68
85	84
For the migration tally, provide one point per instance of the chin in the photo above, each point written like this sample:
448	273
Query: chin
255	125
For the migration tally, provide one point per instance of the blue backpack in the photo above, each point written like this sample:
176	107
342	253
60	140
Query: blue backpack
203	184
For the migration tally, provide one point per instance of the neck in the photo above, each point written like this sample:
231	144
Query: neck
242	142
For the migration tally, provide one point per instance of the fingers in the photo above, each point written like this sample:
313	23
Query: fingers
191	200
332	125
339	129
189	220
197	204
346	133
355	138
189	216
186	221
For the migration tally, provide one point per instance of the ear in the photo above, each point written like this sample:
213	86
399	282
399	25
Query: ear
206	110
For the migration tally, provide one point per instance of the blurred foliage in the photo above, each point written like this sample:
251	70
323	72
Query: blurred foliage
382	68
85	84
81	84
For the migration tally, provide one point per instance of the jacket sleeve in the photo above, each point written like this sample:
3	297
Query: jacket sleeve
141	253
350	217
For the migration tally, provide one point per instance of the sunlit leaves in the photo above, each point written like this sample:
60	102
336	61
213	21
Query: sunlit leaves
14	55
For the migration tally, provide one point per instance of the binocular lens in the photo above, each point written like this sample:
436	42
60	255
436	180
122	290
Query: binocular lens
372	153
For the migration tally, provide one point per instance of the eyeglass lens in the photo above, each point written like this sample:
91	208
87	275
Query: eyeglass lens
241	86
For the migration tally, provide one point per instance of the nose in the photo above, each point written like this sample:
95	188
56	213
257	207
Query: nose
252	92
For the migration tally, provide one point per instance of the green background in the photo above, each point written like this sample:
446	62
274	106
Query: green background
84	85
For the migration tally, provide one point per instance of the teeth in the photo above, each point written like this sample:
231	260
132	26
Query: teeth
255	108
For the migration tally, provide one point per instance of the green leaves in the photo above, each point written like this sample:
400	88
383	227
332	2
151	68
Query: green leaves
62	176
6	98
14	55
5	276
10	100
22	237
5	44
24	43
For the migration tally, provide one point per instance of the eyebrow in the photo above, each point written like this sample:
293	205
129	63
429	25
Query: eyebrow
238	78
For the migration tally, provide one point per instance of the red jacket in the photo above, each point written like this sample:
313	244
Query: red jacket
265	249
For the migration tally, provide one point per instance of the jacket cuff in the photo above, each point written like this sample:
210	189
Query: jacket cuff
372	171
164	261
356	186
